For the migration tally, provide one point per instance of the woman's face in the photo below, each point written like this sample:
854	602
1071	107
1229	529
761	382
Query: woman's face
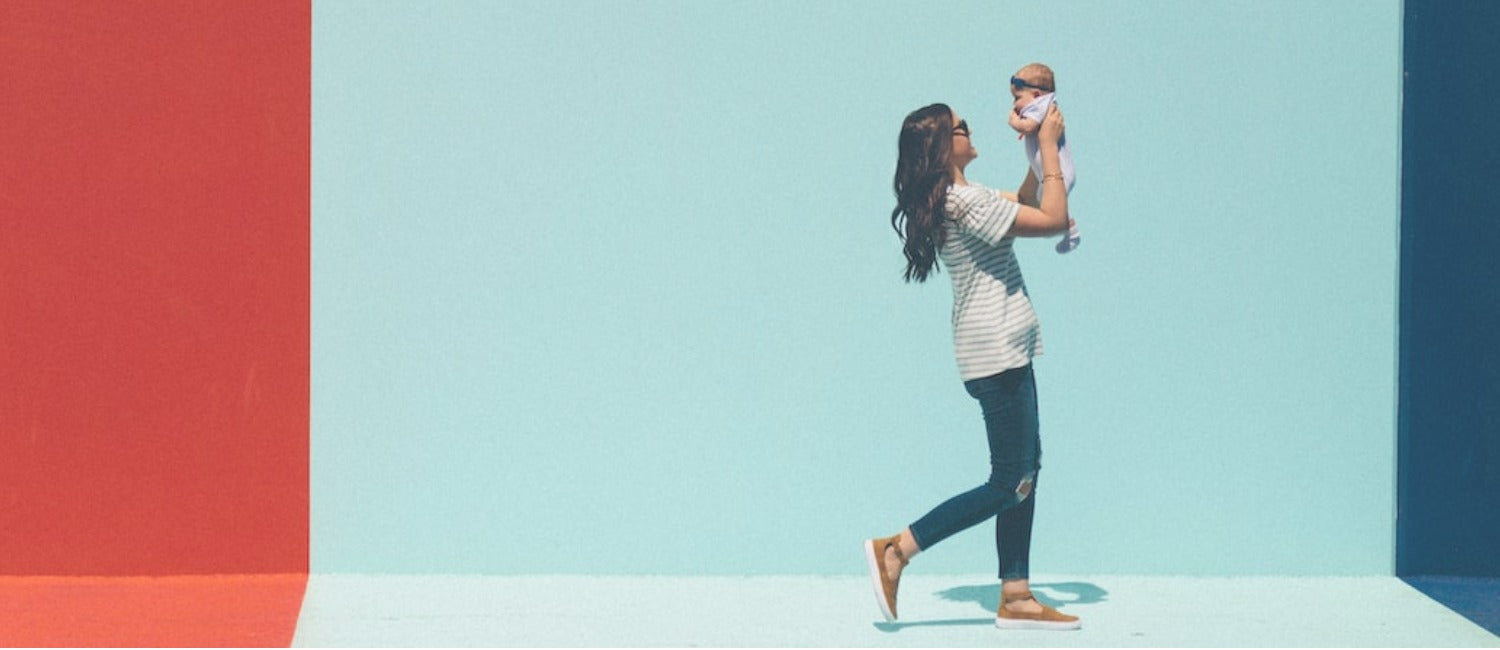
963	148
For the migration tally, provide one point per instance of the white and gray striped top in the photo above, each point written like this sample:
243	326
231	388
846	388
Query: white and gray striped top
994	326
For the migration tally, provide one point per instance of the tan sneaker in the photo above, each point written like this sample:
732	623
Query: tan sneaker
1047	619
885	588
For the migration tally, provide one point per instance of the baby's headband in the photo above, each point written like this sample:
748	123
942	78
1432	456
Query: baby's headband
1022	83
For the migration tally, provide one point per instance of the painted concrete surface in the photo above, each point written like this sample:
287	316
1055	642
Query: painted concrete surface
150	611
1127	611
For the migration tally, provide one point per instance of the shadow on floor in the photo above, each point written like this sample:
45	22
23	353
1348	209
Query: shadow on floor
897	627
1477	599
987	596
1054	594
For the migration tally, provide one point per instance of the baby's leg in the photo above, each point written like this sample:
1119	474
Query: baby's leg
1065	161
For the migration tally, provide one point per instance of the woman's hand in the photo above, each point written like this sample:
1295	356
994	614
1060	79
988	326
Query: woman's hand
1052	126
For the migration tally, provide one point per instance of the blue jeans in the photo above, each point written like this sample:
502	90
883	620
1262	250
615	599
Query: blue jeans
1008	401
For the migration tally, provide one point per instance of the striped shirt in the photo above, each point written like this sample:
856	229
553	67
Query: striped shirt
994	327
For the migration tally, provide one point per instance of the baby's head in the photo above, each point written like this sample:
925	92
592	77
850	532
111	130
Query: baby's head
1031	81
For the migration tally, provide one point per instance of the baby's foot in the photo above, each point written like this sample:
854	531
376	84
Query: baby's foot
1071	241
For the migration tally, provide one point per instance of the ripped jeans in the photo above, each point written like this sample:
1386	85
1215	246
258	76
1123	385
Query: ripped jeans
1008	401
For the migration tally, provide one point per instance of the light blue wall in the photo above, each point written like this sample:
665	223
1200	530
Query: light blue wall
608	287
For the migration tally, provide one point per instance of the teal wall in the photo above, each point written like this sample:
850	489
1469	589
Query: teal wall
1449	450
605	287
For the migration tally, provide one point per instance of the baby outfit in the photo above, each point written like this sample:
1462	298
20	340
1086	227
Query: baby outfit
1037	110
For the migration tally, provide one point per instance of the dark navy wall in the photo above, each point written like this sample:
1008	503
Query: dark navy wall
1448	487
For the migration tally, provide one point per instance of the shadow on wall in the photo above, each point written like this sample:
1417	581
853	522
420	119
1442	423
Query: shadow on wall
987	596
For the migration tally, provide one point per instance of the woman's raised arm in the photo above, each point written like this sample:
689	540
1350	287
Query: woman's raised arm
1050	217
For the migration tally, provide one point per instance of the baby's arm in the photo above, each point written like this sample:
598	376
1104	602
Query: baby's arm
1023	125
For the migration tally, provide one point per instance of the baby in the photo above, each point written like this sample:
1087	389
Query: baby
1032	88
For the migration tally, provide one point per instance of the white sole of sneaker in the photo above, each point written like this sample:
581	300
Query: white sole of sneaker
1023	624
875	578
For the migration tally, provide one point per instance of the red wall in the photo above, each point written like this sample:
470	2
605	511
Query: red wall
154	260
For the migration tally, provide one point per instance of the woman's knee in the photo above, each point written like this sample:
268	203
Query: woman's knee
1015	486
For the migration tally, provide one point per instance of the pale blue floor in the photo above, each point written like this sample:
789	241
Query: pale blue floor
344	610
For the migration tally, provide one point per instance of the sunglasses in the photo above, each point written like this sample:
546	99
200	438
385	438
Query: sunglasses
962	128
1022	83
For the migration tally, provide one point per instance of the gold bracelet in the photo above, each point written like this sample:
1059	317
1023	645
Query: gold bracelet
1045	177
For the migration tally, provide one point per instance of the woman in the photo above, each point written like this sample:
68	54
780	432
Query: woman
941	216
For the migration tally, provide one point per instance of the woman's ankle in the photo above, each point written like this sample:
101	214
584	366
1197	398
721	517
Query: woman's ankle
908	544
1015	590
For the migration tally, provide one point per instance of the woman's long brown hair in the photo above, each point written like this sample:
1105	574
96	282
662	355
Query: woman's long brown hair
923	174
